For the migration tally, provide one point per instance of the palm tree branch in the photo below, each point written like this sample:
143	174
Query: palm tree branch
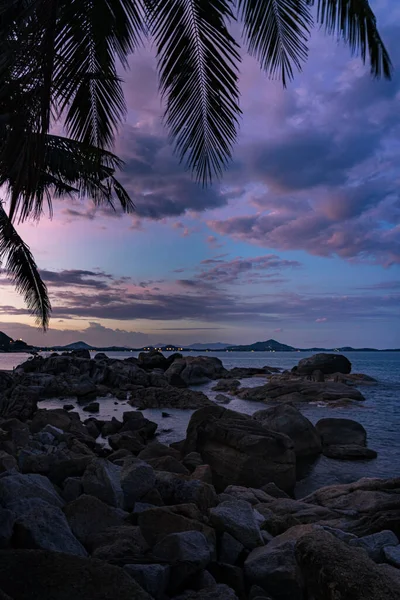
276	33
197	64
355	22
21	267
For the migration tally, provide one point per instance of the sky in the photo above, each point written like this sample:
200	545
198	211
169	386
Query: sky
299	242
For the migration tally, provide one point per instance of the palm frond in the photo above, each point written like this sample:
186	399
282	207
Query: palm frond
21	267
69	167
355	22
276	33
197	63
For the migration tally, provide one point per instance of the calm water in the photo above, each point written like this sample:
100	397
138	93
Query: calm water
379	414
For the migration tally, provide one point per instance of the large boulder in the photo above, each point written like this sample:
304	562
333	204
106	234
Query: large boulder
41	575
326	363
180	489
19	403
137	478
239	450
237	518
195	370
332	570
120	544
300	390
152	360
152	578
339	432
44	526
102	479
288	420
16	487
88	515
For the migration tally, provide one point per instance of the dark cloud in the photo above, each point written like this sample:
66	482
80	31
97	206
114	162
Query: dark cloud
76	277
223	271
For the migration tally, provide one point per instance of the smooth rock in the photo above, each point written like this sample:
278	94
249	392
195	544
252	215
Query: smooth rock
392	555
339	432
44	527
15	487
326	363
288	420
237	518
349	452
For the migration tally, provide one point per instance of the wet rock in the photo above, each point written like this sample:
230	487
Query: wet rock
288	420
127	440
375	543
102	480
68	407
152	578
195	370
137	478
340	432
237	518
226	385
43	526
331	568
239	450
93	407
88	515
40	575
349	452
168	397
326	363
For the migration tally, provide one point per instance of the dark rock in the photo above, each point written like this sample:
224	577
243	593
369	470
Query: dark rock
392	555
251	495
127	440
15	487
203	473
219	591
135	421
40	575
72	489
168	397
93	407
272	490
156	523
152	360
169	464
229	549
222	399
68	407
226	385
340	432
7	462
178	489
44	526
124	544
57	417
111	427
157	450
194	370
288	420
187	552
102	479
152	578
239	450
237	518
332	569
326	363
192	460
374	544
300	390
137	478
81	353
101	356
7	519
88	515
21	403
349	452
229	575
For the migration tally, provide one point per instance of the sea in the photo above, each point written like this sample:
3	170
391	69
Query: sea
379	414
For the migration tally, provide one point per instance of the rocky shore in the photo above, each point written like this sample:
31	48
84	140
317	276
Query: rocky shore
101	509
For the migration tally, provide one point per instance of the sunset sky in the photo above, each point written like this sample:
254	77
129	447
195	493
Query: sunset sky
300	242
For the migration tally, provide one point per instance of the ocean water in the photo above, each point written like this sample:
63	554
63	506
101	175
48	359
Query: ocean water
379	414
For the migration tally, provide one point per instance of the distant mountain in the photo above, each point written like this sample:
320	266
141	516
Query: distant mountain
268	346
77	346
5	341
211	346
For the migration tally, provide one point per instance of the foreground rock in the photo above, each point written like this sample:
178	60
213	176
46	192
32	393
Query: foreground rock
337	432
299	390
288	420
168	397
195	370
40	575
331	570
239	450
